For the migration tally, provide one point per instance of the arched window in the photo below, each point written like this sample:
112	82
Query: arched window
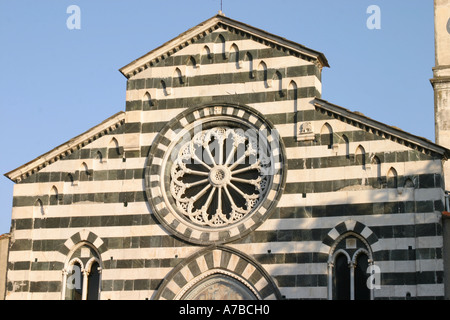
360	156
164	88
293	94
235	56
348	268
341	277
147	101
408	183
361	265
277	82
206	56
392	178
262	74
326	136
177	78
377	166
74	281
38	210
191	65
69	180
53	198
113	149
249	64
220	47
99	157
93	281
82	273
347	146
69	184
84	172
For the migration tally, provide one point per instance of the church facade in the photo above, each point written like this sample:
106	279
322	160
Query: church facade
228	177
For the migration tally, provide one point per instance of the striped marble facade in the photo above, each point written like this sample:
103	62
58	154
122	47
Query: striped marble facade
346	175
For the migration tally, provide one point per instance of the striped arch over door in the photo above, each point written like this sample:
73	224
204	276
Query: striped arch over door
239	272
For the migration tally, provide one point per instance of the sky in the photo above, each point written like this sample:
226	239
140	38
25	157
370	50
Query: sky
57	81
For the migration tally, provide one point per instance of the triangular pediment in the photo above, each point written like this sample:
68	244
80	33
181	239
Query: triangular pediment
220	21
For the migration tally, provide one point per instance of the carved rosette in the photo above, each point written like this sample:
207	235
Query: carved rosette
215	173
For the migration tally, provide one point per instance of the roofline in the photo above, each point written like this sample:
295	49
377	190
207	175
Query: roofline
66	148
389	132
192	35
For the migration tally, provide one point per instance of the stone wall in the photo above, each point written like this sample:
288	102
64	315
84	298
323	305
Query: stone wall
344	176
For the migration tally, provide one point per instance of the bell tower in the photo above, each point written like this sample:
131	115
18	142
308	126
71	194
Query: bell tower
441	77
441	85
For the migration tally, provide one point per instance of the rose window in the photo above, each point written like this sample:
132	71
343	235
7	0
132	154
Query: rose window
215	173
219	177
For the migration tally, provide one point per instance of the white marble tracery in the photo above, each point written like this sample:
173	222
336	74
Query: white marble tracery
218	177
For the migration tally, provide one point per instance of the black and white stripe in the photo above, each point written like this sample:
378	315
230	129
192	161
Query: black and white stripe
327	191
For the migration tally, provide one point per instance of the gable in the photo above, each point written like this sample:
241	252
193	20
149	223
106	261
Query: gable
235	31
69	149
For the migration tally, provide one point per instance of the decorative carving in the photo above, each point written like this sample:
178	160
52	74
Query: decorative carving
305	132
306	128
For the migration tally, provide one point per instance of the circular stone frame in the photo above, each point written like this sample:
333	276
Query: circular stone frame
157	172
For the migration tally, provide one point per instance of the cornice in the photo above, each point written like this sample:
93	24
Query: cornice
395	134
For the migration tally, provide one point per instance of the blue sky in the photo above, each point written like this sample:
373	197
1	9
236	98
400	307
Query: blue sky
56	83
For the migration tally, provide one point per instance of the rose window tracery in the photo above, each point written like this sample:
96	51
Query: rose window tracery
219	177
215	173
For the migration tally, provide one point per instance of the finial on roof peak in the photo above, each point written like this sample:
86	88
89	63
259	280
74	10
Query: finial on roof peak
221	9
